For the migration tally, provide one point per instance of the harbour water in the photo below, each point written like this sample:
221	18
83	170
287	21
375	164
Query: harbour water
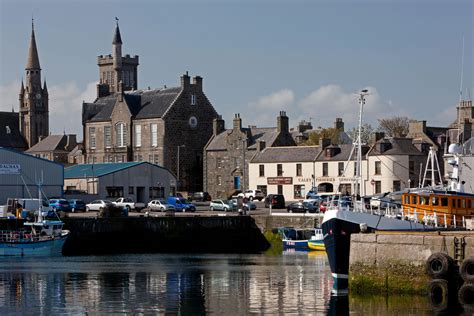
287	283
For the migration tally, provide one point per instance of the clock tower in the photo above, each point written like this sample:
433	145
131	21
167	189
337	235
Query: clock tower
33	99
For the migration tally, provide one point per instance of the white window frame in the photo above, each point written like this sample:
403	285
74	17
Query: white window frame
138	136
193	99
108	136
154	134
121	134
92	137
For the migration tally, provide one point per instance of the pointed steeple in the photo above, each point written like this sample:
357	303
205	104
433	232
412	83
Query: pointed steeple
22	90
117	38
45	89
33	60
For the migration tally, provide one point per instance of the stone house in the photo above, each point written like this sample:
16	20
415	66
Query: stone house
228	153
54	147
165	126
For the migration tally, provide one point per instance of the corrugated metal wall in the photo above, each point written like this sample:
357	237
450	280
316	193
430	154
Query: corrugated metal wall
32	170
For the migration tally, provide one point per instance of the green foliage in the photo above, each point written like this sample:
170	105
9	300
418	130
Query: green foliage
396	126
365	132
333	133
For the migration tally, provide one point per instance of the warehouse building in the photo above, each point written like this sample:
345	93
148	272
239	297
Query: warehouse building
20	175
141	181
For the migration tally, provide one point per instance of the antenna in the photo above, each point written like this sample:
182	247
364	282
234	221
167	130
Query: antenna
460	91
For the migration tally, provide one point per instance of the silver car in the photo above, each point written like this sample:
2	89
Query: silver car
97	205
220	205
160	205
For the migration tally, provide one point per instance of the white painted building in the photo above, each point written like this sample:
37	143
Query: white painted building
389	165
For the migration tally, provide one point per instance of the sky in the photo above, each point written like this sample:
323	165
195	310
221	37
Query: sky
308	58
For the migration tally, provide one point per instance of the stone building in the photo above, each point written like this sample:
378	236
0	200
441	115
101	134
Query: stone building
54	147
462	129
22	130
228	152
165	126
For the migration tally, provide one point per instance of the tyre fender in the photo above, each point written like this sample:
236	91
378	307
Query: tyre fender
439	265
466	270
438	292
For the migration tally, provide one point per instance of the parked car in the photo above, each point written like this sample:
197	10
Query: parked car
77	205
301	207
315	200
60	205
276	200
246	206
313	193
181	204
98	205
221	205
252	195
160	205
129	204
199	197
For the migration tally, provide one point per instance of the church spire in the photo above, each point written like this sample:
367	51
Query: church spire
33	60
117	38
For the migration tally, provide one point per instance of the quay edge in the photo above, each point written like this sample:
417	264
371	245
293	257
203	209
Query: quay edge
394	262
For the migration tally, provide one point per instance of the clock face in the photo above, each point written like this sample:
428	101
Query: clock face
38	96
26	95
193	121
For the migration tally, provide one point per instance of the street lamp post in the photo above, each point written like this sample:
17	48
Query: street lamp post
177	167
243	163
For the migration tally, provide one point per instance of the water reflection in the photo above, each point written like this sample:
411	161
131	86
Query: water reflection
290	283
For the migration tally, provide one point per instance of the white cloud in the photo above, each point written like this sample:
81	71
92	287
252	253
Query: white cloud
326	103
65	104
275	101
265	110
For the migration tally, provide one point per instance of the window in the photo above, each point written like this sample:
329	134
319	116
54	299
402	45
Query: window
411	167
325	169
378	168
218	163
156	192
154	134
108	136
193	99
121	135
444	201
92	137
298	191
279	170
397	185
114	192
261	170
340	169
378	187
138	135
299	171
219	180
355	168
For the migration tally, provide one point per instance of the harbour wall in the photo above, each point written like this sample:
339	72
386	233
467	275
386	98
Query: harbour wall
270	222
180	234
394	262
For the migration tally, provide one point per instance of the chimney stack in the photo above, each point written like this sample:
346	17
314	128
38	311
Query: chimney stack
324	142
197	82
339	124
185	81
218	125
237	122
282	123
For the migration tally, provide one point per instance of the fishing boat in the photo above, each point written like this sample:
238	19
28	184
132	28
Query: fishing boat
42	237
298	238
431	207
317	241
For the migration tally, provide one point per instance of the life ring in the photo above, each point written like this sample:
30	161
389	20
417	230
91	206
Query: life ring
466	295
466	270
438	292
439	265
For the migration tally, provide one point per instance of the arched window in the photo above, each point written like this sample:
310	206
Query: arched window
121	134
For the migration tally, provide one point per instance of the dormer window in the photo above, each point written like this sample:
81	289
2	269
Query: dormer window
193	99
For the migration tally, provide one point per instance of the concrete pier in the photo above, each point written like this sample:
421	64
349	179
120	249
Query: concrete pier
394	262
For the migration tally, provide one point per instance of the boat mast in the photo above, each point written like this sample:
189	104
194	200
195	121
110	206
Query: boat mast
460	92
359	189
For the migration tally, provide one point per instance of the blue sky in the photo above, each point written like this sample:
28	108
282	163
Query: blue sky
256	57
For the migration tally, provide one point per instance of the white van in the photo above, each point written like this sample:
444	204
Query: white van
33	205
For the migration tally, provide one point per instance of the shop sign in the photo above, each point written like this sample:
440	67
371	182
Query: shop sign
325	179
304	180
6	168
279	180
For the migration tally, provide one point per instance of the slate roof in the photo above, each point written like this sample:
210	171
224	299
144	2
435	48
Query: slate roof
97	170
142	104
343	155
56	143
399	146
287	154
255	134
10	135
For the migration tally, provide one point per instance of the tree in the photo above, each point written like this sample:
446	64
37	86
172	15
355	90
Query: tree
314	137
396	126
365	132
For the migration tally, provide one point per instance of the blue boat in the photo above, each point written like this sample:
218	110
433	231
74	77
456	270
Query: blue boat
296	238
42	237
